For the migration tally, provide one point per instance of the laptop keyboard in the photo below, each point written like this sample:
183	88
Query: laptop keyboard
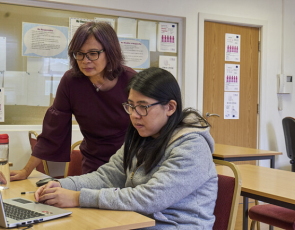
18	213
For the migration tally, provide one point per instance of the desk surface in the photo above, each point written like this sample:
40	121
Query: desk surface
227	151
266	182
81	218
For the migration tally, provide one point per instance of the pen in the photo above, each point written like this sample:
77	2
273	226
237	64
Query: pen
27	192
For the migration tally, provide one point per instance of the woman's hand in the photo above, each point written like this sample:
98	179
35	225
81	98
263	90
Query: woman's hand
53	194
18	174
51	184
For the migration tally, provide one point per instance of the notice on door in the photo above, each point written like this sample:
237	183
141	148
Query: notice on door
232	47
231	105
232	77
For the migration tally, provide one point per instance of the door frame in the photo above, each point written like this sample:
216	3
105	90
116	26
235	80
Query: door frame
262	78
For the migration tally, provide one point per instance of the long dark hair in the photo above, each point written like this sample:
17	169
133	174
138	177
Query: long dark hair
160	85
107	37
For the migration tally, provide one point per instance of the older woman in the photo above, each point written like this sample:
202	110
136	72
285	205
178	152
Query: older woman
93	91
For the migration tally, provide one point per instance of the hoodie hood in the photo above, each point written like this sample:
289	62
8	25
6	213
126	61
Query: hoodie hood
204	132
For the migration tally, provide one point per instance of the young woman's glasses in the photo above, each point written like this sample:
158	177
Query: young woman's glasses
91	56
140	109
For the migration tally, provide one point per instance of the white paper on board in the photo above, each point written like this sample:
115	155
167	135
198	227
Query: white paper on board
2	104
136	52
55	83
74	25
232	47
232	77
169	63
231	105
126	27
40	40
58	66
38	65
2	54
148	30
110	21
39	89
167	37
15	84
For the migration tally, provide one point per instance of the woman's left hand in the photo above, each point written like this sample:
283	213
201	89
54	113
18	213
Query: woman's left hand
60	197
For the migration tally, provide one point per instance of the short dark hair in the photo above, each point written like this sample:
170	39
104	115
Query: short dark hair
162	86
107	37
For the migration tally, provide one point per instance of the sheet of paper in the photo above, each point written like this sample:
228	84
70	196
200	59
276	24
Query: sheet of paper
15	84
111	21
38	65
126	27
231	105
169	63
52	66
55	83
232	47
40	40
232	77
2	104
2	54
136	52
74	24
58	66
39	88
148	30
167	37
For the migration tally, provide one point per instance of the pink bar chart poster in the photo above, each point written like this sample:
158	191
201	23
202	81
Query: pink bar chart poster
232	47
232	77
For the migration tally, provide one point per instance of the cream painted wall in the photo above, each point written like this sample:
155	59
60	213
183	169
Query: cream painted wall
271	11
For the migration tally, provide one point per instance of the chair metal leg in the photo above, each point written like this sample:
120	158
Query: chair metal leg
270	227
252	227
258	223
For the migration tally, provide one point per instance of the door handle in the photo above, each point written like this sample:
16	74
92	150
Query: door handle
211	114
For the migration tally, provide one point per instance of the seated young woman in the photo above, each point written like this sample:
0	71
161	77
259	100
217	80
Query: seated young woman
164	170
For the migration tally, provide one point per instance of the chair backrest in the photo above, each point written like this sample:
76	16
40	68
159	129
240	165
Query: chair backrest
42	167
229	190
74	167
289	132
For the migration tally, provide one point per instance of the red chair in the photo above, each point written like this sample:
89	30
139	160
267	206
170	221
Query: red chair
42	167
74	167
229	190
271	214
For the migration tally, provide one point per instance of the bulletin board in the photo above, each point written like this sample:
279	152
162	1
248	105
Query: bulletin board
30	79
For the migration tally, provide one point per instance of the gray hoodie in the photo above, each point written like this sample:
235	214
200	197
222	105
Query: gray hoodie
179	193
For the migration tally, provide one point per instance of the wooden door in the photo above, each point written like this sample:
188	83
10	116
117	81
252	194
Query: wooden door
243	131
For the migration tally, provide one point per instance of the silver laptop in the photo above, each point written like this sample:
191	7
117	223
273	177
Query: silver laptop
18	212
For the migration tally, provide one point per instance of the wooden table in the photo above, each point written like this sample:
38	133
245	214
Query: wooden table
81	218
236	153
273	186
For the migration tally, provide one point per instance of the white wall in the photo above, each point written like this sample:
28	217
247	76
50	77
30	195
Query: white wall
271	11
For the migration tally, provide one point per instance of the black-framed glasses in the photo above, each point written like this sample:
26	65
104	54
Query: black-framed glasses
91	55
140	109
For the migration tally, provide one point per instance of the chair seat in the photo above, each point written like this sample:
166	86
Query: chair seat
273	215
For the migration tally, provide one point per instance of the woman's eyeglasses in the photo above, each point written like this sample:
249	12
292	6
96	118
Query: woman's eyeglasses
140	109
91	56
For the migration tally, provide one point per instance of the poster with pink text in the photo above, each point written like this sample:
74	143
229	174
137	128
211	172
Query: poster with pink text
167	37
232	47
232	77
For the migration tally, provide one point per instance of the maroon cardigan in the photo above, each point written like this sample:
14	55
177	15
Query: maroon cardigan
100	115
